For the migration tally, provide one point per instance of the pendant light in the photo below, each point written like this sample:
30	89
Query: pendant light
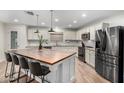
51	28
37	31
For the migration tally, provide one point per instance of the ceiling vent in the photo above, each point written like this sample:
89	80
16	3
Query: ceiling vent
29	13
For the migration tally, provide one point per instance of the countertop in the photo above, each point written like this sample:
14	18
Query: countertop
57	45
90	48
47	56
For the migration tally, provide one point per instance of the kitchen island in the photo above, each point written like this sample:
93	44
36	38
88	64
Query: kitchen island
61	63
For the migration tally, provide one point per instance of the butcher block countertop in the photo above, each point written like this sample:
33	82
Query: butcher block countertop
47	56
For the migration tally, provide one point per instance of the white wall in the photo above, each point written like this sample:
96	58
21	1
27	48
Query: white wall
5	39
1	41
21	35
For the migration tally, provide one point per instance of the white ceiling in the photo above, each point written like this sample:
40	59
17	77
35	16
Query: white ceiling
65	17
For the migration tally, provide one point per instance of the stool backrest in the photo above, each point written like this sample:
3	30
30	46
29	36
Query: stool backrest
35	68
23	62
8	57
15	59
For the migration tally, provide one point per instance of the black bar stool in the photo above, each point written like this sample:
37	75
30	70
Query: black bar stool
39	70
9	60
24	65
15	61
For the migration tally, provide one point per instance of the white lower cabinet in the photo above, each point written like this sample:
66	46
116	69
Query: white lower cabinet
90	57
87	55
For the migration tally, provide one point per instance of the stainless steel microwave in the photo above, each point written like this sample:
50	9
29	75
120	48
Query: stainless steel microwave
85	36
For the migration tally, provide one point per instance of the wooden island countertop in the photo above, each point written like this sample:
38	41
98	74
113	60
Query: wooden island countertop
60	62
47	56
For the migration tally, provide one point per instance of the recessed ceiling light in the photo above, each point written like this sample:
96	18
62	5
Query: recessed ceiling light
84	15
70	25
42	23
56	19
16	20
74	21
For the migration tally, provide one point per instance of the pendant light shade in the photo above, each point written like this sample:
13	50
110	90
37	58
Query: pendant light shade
37	31
51	28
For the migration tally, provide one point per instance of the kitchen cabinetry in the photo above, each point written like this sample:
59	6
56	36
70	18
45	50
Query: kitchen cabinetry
87	56
93	28
33	36
90	56
92	33
71	35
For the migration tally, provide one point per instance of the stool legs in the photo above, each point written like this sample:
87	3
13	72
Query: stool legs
11	72
26	76
6	70
18	74
42	78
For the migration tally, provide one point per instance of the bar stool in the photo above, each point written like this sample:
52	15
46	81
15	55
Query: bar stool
15	62
39	70
9	60
24	65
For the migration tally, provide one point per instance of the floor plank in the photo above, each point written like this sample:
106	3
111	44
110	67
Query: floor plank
87	74
84	74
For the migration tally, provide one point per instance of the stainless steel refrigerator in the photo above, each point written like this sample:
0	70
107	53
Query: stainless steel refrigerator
109	56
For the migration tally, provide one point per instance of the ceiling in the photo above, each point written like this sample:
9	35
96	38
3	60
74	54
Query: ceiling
65	17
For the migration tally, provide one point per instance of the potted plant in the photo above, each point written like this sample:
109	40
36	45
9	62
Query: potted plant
41	41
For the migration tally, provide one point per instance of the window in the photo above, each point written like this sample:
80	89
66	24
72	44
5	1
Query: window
56	37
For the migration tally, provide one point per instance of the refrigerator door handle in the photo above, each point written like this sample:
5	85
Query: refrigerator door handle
104	41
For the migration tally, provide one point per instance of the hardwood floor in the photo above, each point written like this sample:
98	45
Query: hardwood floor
87	74
84	74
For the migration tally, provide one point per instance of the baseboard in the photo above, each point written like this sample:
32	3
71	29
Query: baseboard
89	65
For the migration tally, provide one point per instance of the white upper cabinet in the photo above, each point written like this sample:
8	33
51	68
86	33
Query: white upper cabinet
93	29
69	35
92	33
46	35
34	36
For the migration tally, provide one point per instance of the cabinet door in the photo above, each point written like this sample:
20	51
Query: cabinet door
98	26
87	56
92	58
32	35
92	33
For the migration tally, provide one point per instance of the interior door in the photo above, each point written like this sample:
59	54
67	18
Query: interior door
14	44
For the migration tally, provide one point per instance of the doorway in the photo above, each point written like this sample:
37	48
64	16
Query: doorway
14	44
